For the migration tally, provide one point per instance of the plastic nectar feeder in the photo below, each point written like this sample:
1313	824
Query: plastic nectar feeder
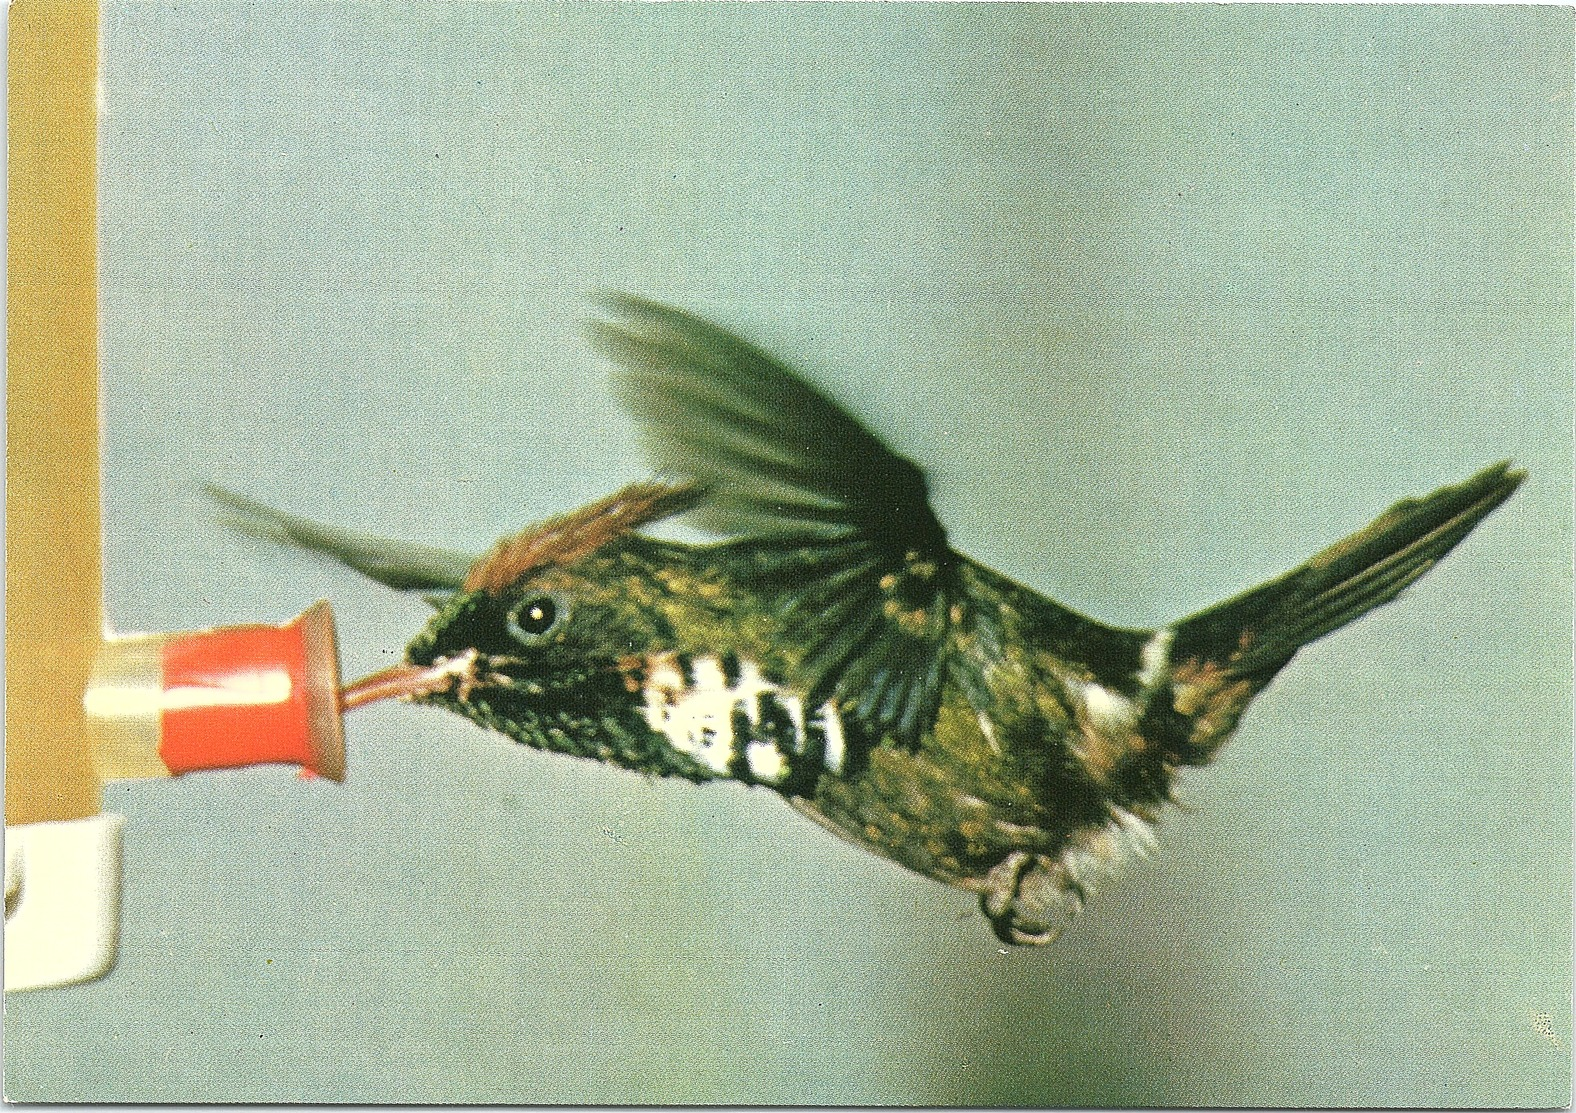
219	699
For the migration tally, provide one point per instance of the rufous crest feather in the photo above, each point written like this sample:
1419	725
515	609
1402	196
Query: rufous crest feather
568	537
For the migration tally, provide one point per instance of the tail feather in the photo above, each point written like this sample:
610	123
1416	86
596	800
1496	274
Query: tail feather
1224	654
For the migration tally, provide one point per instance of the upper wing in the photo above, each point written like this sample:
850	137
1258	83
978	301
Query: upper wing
402	565
850	543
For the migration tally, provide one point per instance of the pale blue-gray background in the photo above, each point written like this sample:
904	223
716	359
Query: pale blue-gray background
1165	298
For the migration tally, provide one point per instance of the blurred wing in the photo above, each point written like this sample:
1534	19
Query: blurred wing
850	543
402	565
778	456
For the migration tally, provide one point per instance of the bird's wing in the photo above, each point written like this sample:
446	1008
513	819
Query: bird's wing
402	565
848	540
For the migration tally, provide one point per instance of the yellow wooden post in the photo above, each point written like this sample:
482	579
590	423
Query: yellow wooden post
53	604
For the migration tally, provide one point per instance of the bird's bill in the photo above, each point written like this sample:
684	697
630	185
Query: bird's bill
406	681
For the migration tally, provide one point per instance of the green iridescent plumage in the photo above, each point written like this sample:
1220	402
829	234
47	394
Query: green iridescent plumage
837	650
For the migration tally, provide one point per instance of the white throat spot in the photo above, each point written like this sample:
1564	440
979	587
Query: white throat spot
702	715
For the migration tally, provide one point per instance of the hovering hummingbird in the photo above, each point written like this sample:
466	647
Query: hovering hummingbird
836	650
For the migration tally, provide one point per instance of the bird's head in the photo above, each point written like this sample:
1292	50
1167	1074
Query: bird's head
549	639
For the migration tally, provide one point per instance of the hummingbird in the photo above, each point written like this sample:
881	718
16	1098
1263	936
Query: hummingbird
834	649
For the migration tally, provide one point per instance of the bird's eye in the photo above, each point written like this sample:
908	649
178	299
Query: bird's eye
536	616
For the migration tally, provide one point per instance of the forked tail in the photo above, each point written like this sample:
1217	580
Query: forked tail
1224	655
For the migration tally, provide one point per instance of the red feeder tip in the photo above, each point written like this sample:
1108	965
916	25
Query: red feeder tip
220	699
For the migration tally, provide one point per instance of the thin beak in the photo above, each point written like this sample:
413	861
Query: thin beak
406	681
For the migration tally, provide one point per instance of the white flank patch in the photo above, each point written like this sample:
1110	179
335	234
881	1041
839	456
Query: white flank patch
1107	709
1154	660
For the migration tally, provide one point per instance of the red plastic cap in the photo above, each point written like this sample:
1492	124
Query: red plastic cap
251	695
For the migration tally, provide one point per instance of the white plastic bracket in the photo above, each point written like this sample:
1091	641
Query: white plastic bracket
62	901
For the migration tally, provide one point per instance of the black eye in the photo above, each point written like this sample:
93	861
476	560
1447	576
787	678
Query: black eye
534	617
